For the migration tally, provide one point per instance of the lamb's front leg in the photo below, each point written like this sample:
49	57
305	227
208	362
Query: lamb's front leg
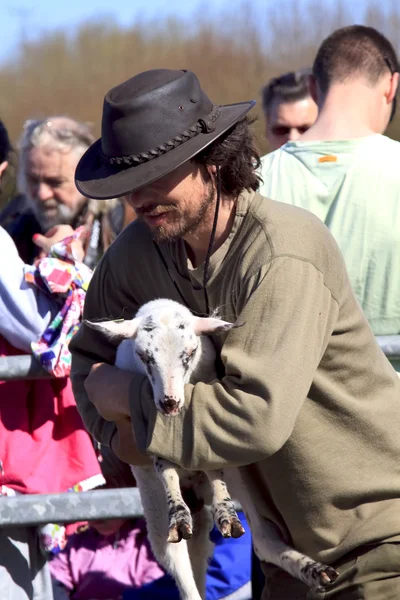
223	509
180	523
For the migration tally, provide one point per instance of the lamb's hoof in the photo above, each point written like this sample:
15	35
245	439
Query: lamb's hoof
185	530
173	535
178	532
227	521
323	575
180	523
232	528
237	529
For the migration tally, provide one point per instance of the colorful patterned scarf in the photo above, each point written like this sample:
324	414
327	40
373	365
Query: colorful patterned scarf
61	274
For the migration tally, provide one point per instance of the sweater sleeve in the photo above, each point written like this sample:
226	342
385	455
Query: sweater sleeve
25	311
103	301
270	362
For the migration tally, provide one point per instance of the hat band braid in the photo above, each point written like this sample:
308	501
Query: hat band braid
202	126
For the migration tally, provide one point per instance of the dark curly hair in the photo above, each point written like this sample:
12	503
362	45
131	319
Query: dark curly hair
236	154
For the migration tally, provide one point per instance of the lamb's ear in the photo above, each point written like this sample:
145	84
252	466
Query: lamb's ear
208	325
116	329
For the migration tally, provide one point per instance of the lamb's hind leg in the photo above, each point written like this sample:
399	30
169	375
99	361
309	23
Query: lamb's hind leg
270	547
180	520
223	509
269	544
176	561
174	558
200	547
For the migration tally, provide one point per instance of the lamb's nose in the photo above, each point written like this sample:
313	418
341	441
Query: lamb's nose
170	405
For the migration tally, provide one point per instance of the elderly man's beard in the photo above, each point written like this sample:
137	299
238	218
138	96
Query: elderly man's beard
180	223
51	213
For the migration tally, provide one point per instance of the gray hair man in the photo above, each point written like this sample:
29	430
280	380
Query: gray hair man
51	205
49	152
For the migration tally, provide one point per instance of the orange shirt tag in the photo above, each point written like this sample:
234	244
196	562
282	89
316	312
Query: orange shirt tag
328	158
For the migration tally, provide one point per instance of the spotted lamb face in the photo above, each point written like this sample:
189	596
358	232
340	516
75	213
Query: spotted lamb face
169	350
167	346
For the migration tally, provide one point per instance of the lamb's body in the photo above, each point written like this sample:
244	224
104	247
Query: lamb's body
172	521
166	343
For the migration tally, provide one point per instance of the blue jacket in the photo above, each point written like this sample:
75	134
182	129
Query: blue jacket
229	571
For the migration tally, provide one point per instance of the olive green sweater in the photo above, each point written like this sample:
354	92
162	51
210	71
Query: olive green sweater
307	404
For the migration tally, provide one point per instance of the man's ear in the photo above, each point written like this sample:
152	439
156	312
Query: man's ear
313	88
212	170
394	86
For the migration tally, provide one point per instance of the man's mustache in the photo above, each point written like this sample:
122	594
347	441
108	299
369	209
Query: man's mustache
155	209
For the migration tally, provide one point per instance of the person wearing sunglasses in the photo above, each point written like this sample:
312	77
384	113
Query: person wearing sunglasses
345	170
288	107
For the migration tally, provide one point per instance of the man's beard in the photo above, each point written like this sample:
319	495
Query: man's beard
64	215
180	223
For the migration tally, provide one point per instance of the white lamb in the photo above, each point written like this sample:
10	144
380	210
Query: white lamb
166	342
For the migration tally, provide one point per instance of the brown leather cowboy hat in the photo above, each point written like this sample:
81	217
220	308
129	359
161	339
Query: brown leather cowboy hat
152	124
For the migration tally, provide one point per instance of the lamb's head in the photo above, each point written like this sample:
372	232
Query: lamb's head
167	346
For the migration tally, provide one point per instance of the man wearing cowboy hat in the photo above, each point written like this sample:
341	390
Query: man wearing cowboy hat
306	402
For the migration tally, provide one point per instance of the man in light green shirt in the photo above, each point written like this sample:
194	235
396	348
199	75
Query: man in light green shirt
346	172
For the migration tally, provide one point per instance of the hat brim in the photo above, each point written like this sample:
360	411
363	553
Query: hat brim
100	181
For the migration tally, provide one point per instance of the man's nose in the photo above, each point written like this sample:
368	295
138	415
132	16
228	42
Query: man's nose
137	198
44	192
294	134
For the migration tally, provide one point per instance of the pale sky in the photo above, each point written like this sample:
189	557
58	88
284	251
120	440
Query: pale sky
31	18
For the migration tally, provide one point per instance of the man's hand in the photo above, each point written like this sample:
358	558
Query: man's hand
55	235
108	389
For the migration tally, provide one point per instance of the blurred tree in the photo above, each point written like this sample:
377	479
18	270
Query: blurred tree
234	53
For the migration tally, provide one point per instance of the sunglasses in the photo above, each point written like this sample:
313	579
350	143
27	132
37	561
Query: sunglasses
283	130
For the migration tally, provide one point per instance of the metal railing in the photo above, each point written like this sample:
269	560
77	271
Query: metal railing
21	367
71	507
39	509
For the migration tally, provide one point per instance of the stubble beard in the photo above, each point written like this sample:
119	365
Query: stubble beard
184	223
